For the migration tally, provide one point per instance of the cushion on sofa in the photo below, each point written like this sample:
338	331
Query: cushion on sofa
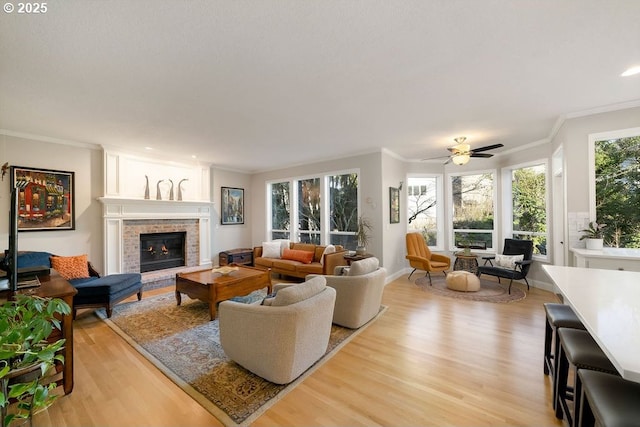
285	265
271	249
107	285
71	267
364	266
296	293
304	257
34	259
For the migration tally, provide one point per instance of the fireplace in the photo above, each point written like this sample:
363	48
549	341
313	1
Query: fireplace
159	251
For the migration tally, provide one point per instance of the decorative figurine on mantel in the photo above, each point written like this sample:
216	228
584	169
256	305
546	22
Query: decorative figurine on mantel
171	191
158	193
180	188
146	188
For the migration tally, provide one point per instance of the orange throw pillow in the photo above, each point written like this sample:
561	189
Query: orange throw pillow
71	267
304	257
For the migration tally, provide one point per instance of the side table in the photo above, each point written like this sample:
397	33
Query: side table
355	257
467	262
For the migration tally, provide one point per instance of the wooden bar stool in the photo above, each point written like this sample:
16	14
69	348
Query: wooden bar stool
558	316
608	400
577	349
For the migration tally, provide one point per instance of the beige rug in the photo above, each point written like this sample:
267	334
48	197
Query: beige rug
490	291
185	345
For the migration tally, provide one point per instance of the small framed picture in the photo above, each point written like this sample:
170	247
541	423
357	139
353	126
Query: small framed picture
232	206
394	205
46	199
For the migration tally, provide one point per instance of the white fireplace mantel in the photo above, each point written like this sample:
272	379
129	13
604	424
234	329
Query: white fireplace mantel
116	210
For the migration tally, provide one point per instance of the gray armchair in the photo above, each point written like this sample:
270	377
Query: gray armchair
281	341
358	292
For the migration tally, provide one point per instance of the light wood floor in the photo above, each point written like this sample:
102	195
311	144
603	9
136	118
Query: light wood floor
428	361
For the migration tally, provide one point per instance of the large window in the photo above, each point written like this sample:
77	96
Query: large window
616	167
526	187
324	209
472	208
424	208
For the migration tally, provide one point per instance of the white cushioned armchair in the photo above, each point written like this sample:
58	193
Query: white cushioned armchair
358	292
281	341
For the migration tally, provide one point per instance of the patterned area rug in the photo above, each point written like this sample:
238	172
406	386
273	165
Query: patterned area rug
185	345
490	291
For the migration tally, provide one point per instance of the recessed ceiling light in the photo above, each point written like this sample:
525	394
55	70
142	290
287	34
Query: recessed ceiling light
631	71
148	148
193	156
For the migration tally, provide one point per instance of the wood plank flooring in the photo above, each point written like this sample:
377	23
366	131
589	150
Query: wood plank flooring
428	361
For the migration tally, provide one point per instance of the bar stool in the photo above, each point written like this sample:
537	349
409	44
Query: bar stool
578	349
558	316
609	400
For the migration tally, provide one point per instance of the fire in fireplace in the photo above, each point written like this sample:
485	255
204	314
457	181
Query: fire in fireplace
162	250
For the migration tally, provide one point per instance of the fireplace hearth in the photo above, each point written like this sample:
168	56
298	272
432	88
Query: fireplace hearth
159	251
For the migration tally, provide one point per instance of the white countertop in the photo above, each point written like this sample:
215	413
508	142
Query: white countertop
608	303
618	253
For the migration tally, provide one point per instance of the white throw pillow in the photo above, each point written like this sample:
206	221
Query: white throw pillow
284	244
271	249
508	261
328	250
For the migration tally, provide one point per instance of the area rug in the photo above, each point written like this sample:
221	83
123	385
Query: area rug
185	345
490	291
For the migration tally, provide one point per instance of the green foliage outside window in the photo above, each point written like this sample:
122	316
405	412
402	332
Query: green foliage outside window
617	166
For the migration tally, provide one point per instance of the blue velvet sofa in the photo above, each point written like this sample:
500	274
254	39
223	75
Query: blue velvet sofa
94	291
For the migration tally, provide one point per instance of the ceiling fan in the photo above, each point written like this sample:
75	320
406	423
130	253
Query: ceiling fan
461	153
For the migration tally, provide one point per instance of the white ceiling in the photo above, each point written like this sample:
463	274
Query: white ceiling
259	84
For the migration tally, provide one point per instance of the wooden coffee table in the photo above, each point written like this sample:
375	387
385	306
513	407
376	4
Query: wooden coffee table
212	288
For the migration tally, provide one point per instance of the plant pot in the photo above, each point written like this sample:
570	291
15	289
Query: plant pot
594	244
361	250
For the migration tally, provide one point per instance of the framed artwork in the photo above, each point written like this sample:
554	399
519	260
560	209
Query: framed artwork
394	205
46	199
232	207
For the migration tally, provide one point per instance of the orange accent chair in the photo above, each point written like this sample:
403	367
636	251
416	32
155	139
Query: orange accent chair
421	258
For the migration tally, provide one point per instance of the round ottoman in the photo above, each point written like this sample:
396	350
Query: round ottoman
463	281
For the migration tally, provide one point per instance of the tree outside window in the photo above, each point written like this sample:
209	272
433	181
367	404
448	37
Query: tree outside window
343	207
422	207
617	174
473	210
309	210
529	206
280	210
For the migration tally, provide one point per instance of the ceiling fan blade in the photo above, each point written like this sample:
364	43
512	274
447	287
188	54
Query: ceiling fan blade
448	161
486	148
434	158
483	155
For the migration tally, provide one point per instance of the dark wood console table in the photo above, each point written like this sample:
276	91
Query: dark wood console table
54	286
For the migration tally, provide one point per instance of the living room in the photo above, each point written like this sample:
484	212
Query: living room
39	138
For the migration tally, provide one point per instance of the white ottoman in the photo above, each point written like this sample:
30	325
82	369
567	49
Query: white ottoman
463	281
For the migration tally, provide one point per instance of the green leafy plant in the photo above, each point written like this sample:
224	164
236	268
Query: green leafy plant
594	231
26	355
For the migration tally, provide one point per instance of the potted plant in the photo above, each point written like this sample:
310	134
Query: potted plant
26	356
362	234
594	235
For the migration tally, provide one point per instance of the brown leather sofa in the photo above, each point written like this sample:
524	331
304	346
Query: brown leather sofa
289	267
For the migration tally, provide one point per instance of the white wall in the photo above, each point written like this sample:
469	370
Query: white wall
225	237
86	162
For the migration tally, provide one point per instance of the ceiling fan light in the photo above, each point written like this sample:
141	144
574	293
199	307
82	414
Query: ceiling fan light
461	159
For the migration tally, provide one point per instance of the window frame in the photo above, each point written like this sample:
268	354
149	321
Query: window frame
325	221
496	219
440	217
507	203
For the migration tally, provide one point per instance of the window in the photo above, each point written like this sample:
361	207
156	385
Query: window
526	187
615	186
472	208
343	209
280	210
424	210
323	210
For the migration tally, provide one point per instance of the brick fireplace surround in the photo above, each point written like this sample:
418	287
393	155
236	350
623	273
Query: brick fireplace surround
125	219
